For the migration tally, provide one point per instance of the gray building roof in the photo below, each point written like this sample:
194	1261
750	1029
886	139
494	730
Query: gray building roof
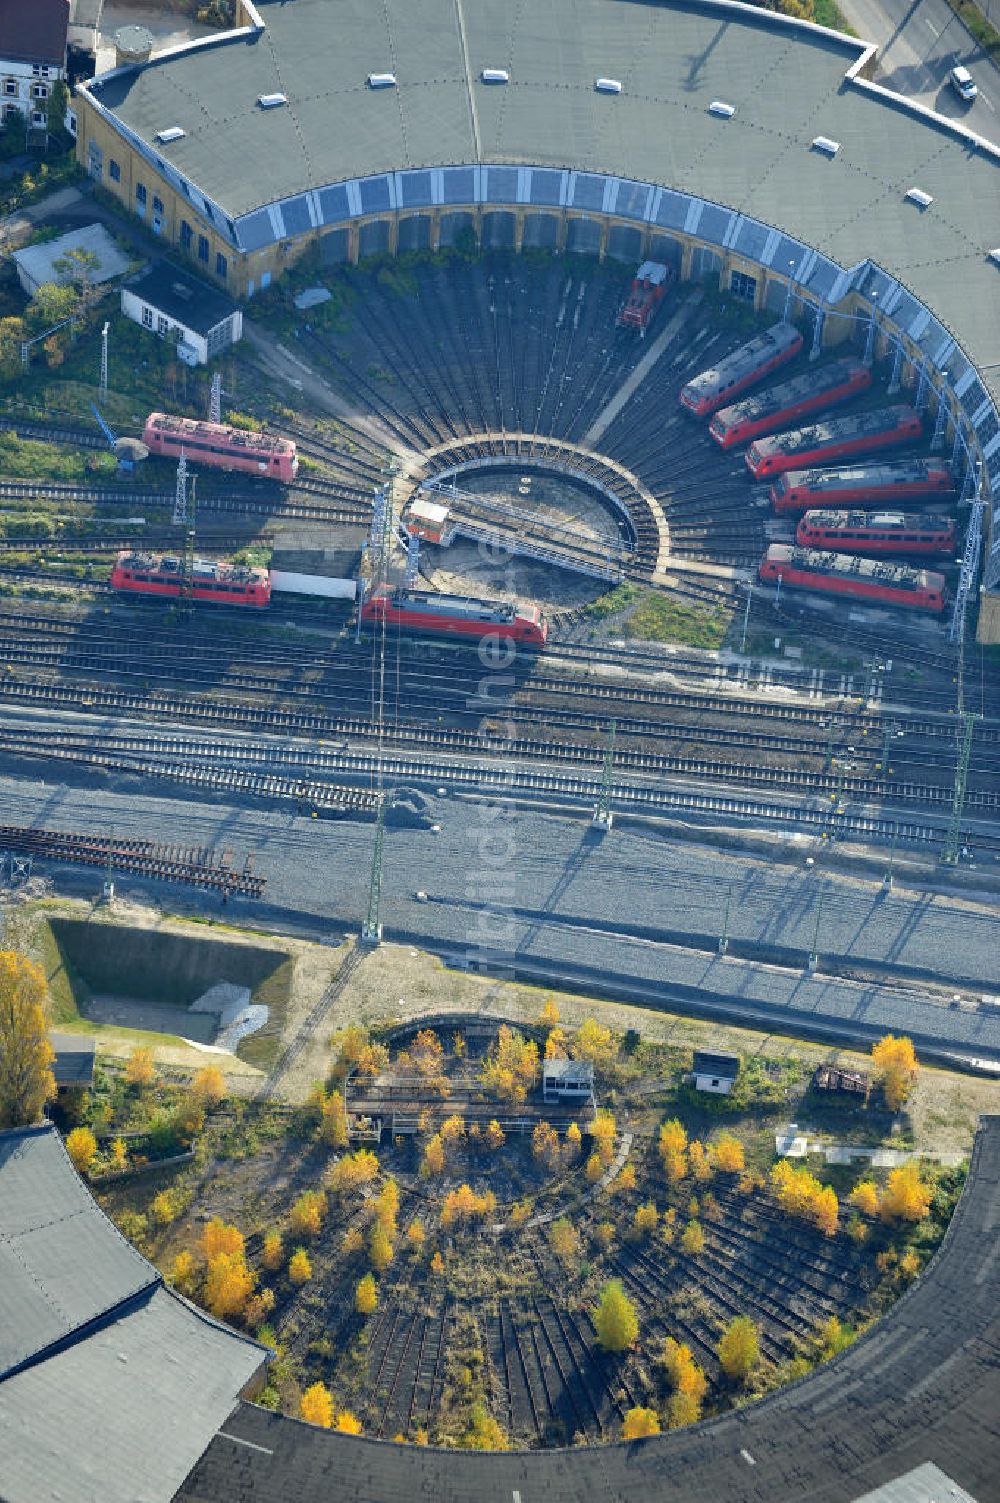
74	1061
111	1386
34	31
37	261
716	1064
185	300
122	1416
785	79
63	1264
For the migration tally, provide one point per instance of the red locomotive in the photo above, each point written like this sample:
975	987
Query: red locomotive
706	392
895	481
222	446
849	435
876	532
646	293
212	584
810	392
870	579
456	615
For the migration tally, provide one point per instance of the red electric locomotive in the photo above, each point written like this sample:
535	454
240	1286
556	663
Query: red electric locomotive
222	446
867	579
896	481
823	441
646	293
706	392
778	405
876	532
211	584
456	615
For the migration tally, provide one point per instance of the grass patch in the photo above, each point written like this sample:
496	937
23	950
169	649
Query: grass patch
828	13
658	618
27	459
615	600
973	19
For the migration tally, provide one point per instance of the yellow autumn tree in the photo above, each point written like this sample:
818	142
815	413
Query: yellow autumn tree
739	1349
555	1044
432	1162
672	1144
494	1136
437	1264
564	1240
300	1267
452	1129
615	1318
906	1197
640	1422
549	1015
511	1067
387	1206
353	1172
26	1079
572	1143
602	1135
119	1155
306	1216
483	1432
140	1068
333	1121
209	1085
272	1253
594	1168
415	1235
228	1285
220	1237
366	1296
728	1154
595	1043
347	1423
352	1241
645	1219
864	1198
182	1271
545	1144
379	1247
693	1239
316	1406
895	1062
686	1379
699	1161
81	1145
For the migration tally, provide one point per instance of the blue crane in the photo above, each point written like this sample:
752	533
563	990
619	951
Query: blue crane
125	463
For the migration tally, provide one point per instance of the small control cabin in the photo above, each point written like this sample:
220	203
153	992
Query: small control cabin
715	1072
567	1081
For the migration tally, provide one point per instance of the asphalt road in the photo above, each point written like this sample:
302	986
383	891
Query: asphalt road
919	42
542	890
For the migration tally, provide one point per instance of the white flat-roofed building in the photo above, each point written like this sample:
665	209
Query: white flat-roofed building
567	1081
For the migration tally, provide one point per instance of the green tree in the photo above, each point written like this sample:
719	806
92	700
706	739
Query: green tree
51	304
615	1320
26	1080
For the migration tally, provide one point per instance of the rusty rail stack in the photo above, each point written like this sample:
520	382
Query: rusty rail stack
210	869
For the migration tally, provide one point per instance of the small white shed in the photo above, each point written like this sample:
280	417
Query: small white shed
715	1072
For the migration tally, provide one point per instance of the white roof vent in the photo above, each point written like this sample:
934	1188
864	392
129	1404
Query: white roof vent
172	133
994	256
381	80
272	101
824	144
608	85
720	107
495	75
918	196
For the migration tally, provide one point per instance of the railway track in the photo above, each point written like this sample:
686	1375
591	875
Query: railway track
208	869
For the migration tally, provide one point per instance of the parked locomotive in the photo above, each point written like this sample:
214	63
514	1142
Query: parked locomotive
810	392
209	583
219	445
712	388
895	481
823	441
868	579
877	532
456	615
646	293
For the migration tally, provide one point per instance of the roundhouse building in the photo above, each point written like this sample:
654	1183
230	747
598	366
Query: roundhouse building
738	146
